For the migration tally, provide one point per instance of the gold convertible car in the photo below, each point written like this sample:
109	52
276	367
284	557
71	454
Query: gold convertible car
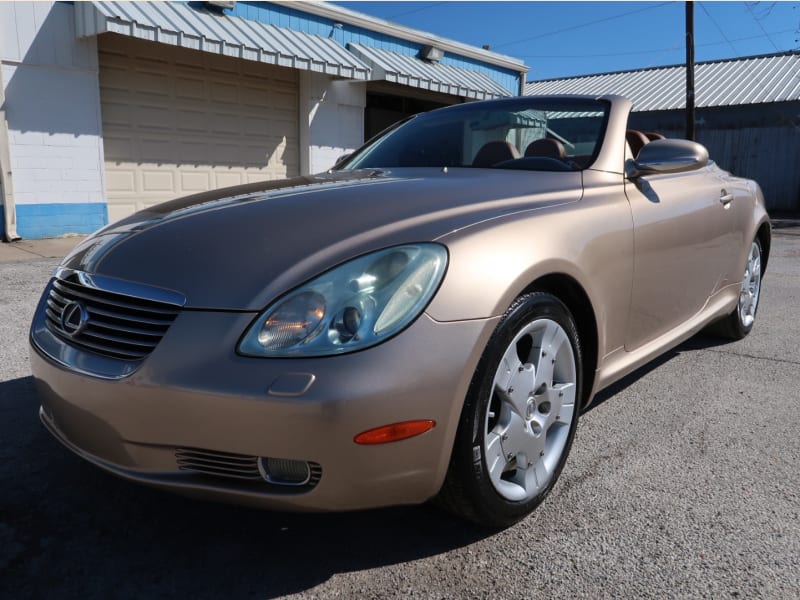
427	320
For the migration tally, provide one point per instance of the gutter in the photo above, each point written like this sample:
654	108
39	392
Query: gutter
6	187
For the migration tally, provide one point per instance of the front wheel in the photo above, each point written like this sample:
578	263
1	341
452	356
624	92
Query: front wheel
519	417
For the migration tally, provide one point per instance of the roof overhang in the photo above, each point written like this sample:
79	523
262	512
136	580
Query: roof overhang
185	26
434	77
337	13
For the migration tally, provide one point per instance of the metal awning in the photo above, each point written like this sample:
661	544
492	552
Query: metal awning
435	77
186	26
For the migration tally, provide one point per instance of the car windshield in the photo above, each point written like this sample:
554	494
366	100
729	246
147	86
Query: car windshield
537	134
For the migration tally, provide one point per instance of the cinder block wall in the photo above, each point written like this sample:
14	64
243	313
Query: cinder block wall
52	104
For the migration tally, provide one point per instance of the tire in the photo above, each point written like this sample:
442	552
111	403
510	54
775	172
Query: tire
740	321
519	417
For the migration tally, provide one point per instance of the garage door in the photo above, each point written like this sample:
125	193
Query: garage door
177	122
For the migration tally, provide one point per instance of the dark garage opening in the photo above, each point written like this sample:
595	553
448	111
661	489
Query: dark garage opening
384	110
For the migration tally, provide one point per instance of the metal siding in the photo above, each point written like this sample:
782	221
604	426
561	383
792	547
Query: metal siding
282	17
752	80
179	24
296	19
308	23
741	151
768	155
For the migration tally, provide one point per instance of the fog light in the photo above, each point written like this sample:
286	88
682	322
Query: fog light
283	471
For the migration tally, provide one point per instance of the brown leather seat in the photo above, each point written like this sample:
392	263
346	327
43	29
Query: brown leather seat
636	140
494	152
549	147
652	135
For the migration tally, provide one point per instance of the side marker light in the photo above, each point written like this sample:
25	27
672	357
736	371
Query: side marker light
394	432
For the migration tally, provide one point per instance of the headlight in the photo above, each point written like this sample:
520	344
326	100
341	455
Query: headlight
351	307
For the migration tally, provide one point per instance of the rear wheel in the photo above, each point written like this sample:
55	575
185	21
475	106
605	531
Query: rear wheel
519	417
739	323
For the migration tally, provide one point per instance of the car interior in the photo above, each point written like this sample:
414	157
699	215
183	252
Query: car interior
637	140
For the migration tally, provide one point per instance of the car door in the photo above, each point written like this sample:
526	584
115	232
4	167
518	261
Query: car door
681	234
740	215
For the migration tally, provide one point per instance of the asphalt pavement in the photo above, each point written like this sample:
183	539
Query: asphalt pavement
683	482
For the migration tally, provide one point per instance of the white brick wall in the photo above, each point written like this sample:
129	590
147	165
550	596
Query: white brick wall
52	105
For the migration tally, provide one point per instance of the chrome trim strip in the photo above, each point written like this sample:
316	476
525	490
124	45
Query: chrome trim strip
123	287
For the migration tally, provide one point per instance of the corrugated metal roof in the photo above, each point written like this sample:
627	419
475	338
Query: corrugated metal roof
436	77
180	24
751	80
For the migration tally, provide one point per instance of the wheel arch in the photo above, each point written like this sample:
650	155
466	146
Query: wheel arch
764	235
572	294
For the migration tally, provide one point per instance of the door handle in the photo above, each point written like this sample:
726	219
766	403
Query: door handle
725	198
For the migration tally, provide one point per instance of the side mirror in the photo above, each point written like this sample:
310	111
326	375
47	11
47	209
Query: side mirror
667	156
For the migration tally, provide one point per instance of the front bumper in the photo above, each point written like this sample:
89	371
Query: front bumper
194	392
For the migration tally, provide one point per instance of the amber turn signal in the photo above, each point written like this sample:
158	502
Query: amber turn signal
394	432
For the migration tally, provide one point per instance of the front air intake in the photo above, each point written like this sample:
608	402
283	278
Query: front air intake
271	471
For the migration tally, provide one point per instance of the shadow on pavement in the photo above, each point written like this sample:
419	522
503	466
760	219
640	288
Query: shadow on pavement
69	530
700	341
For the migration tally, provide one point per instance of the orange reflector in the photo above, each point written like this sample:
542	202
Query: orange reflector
394	432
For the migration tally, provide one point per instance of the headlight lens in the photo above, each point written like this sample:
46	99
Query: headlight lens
351	307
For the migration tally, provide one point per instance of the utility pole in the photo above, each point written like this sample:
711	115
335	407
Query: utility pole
690	133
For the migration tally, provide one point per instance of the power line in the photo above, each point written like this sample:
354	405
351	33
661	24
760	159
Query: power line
760	26
765	8
714	21
414	10
582	25
637	52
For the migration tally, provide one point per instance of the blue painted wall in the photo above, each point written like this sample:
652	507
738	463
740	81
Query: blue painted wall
36	221
289	18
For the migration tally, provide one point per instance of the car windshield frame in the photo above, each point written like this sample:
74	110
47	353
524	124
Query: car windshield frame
459	136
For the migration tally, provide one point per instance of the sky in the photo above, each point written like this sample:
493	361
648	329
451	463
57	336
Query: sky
562	39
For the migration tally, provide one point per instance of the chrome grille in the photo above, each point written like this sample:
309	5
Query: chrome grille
113	324
231	466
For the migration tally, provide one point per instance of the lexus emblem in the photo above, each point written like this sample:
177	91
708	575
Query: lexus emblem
74	318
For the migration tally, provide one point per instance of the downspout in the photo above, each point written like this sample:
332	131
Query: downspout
6	187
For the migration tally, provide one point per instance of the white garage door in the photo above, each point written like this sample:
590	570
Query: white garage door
178	121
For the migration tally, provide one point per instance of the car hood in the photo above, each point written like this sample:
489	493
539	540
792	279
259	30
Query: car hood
239	248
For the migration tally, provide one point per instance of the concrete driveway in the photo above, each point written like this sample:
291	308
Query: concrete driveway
684	482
